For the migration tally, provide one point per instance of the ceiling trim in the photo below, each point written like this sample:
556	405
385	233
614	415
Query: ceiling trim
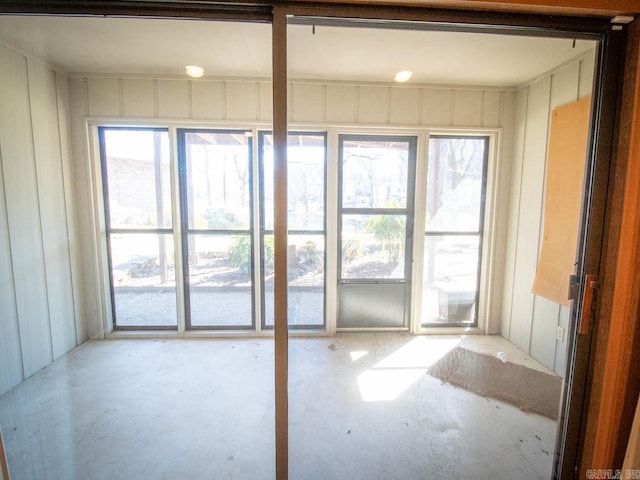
261	9
590	8
250	11
495	12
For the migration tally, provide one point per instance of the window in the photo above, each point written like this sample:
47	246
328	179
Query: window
217	241
306	223
456	184
139	226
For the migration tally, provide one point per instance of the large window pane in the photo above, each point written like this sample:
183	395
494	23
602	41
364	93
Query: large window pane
306	257
143	278
138	178
218	180
220	283
374	174
373	246
450	283
455	184
305	181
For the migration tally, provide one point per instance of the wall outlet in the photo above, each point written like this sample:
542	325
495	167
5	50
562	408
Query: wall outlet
560	334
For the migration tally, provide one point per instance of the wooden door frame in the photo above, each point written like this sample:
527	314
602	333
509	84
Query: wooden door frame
614	385
615	379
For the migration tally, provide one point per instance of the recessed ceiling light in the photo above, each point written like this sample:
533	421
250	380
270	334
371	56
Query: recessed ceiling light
403	76
194	71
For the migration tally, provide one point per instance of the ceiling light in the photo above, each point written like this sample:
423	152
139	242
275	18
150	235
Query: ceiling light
403	76
194	71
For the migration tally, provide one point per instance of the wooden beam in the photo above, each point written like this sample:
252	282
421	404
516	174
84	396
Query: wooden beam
615	383
600	8
279	32
4	468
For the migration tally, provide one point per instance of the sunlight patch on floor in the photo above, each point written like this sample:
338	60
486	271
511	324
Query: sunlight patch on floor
394	374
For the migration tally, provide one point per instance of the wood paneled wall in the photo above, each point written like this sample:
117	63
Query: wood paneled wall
530	321
38	268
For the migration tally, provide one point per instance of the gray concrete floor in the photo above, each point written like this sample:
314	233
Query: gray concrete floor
361	407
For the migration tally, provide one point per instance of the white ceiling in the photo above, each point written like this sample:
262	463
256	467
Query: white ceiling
154	46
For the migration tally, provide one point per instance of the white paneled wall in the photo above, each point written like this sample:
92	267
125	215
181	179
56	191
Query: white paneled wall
530	321
37	309
310	103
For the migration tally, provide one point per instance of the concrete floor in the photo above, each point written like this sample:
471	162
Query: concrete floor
361	407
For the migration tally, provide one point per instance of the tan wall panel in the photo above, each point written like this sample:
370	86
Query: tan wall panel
138	97
436	107
206	100
373	105
491	105
586	76
266	101
308	102
530	212
467	108
23	213
405	106
51	195
341	104
104	97
241	102
173	98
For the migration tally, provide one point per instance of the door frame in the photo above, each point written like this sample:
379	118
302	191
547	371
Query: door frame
604	113
409	213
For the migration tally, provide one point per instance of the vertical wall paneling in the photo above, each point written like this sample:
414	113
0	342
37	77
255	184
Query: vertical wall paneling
405	106
89	300
530	211
341	104
467	108
138	98
240	101
491	104
514	213
372	104
62	93
529	321
506	111
266	101
560	362
46	135
206	99
10	354
104	94
23	214
564	89
436	107
308	102
173	98
586	76
543	330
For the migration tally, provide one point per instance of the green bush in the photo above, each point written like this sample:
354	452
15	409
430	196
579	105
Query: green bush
240	253
390	232
268	253
309	254
350	250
